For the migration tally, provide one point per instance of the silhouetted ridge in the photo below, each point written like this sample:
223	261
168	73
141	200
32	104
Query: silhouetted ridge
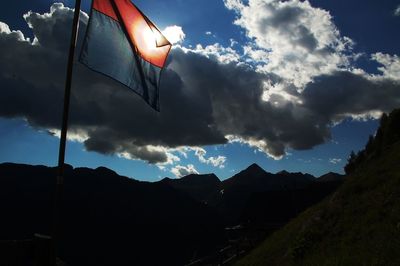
202	188
358	224
330	177
105	170
256	178
248	176
283	172
240	188
115	220
107	219
254	167
212	178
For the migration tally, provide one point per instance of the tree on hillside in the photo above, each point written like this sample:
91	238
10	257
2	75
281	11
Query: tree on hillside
350	163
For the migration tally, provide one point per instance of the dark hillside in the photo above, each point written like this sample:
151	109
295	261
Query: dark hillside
280	206
358	225
202	188
238	190
107	219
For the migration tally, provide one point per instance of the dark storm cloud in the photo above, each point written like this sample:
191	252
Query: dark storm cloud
202	100
114	118
342	93
285	20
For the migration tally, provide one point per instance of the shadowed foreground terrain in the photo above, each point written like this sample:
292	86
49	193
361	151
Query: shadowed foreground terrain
357	225
109	219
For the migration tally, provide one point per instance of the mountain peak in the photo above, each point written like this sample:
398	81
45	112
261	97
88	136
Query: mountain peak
254	167
283	172
247	176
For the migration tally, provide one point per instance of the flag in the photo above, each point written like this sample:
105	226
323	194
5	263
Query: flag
122	43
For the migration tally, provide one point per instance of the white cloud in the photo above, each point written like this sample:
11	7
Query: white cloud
218	161
335	160
209	33
224	55
390	65
201	154
4	28
291	39
256	54
76	135
180	170
236	5
174	34
274	151
397	11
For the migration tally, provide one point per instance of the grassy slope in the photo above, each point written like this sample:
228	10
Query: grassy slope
358	225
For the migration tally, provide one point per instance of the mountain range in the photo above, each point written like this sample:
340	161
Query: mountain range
231	196
109	219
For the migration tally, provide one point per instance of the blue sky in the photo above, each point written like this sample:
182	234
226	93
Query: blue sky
355	39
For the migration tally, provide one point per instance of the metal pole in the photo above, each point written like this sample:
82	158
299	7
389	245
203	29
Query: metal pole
64	128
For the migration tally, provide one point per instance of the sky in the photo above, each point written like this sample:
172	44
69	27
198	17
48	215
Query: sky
290	85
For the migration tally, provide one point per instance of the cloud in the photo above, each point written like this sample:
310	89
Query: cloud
174	34
200	153
4	28
236	5
390	65
291	38
397	11
152	154
344	94
209	95
101	109
216	51
218	161
335	160
274	150
180	170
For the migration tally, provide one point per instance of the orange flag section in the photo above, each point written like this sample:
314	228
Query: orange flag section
105	7
150	43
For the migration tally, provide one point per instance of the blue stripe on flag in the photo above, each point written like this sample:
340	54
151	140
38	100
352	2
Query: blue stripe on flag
107	50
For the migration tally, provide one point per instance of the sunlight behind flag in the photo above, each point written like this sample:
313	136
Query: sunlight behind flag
122	43
139	30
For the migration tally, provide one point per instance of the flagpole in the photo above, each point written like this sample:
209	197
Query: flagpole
64	128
